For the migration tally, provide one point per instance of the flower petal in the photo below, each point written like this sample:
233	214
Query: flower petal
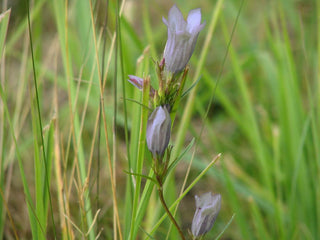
175	19
194	19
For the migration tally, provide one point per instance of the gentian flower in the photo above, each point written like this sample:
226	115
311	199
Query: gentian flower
182	38
208	207
158	131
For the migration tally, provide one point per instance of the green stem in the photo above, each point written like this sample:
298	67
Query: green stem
160	191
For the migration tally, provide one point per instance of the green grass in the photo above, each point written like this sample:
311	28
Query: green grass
71	131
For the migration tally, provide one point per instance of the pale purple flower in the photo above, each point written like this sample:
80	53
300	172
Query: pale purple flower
208	207
158	131
182	38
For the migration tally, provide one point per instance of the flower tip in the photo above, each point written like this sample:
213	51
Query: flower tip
136	81
165	21
162	63
194	21
175	18
174	9
194	16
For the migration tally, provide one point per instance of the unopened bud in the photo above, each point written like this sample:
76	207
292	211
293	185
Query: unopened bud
208	207
182	38
136	81
158	131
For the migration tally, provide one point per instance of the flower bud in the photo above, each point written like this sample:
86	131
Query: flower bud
208	207
158	131
136	81
182	38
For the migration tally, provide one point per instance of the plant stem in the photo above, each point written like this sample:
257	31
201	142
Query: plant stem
160	191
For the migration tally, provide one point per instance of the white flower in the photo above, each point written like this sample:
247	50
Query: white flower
182	37
158	131
208	207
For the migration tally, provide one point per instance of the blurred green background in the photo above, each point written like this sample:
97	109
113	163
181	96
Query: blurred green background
263	118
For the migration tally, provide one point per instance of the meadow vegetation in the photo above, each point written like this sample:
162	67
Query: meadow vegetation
73	157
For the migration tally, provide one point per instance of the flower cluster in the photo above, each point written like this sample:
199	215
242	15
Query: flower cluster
172	72
181	41
182	38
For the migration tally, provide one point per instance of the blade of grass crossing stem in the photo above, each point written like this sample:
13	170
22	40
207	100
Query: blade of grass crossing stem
49	154
141	150
318	56
273	37
4	21
135	38
240	219
103	58
38	130
113	181
29	202
38	169
258	221
124	96
313	150
67	233
315	132
316	119
115	107
142	66
278	216
148	29
134	113
135	116
2	174
19	31
291	117
300	194
282	101
61	16
290	91
225	228
9	216
134	145
42	178
146	203
251	127
87	10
